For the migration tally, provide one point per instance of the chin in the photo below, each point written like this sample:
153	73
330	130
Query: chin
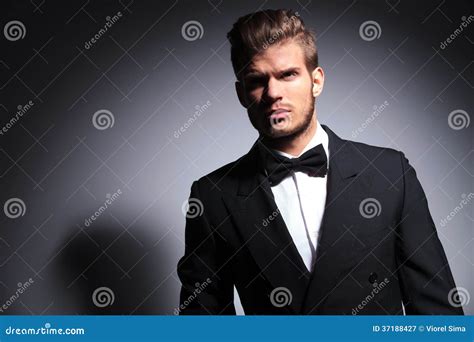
276	133
281	133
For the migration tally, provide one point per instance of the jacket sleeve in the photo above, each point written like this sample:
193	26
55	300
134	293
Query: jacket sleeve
425	278
206	285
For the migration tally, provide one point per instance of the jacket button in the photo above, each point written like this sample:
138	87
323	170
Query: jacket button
373	277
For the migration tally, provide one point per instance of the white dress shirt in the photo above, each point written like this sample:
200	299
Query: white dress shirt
301	200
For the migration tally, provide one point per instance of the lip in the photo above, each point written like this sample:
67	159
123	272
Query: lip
278	115
278	111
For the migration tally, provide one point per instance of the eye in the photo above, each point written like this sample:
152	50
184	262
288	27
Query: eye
254	81
290	74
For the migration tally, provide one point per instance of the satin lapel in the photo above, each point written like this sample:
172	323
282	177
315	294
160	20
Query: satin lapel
337	247
264	232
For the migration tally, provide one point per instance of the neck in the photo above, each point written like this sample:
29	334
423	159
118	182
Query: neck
294	144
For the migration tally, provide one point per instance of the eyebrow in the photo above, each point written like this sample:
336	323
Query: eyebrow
255	73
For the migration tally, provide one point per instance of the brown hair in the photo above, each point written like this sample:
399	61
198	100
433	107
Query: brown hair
255	32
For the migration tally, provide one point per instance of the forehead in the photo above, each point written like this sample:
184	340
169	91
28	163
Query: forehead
278	56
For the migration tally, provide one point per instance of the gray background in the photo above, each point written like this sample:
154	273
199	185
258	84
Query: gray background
151	78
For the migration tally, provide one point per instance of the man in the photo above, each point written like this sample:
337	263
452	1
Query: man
306	222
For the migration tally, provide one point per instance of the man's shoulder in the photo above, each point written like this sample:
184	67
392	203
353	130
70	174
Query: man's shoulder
224	177
384	162
374	152
358	151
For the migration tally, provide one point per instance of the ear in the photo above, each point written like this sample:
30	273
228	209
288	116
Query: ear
318	81
239	88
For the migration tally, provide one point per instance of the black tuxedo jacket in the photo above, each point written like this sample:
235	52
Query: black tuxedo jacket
371	257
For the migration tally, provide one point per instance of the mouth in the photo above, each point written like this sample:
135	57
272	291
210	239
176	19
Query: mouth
279	113
279	118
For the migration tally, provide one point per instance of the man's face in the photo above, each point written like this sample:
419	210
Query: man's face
277	90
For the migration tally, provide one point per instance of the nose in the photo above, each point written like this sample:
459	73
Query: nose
273	91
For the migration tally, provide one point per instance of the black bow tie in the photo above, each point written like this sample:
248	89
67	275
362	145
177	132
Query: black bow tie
313	162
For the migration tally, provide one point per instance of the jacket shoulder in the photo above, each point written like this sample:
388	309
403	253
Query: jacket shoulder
385	162
373	152
223	178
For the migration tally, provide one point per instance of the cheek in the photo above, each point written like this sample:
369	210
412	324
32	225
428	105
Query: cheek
301	93
254	96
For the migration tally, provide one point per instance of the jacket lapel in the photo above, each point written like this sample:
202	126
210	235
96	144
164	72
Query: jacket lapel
338	249
257	218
